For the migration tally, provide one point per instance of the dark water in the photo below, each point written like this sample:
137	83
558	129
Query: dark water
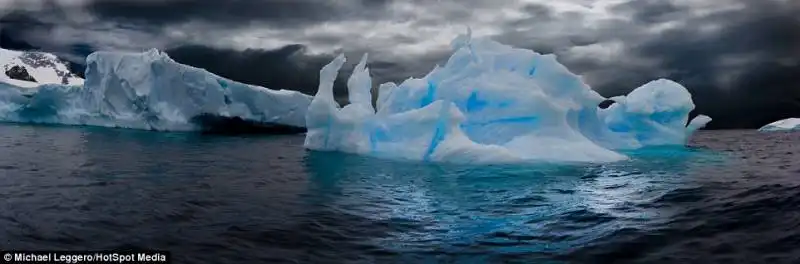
732	198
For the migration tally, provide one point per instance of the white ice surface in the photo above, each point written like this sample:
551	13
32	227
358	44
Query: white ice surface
782	125
492	103
149	91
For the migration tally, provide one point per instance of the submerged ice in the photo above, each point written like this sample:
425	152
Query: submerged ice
492	103
149	91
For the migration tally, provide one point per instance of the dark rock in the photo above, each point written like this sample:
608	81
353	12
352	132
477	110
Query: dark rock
606	103
19	73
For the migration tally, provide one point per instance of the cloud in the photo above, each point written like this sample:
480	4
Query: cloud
737	59
736	56
280	13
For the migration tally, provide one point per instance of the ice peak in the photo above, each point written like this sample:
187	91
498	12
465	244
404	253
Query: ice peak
154	52
462	39
359	85
327	76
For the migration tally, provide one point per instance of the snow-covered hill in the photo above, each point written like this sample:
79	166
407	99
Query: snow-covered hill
30	69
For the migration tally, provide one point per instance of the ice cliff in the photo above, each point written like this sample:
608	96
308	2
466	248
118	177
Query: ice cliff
782	125
150	91
492	103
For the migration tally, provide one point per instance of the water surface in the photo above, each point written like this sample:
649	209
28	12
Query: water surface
733	197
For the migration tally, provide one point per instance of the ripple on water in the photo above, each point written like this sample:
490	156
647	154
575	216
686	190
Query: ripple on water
733	196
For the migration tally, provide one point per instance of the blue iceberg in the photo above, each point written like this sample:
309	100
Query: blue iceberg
789	124
493	103
150	91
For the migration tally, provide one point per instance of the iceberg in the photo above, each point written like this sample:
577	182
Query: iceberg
788	124
151	91
493	103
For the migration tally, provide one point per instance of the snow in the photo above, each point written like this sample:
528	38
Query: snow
782	125
149	91
18	83
44	67
492	103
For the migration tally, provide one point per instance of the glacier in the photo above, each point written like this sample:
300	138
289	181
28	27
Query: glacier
493	103
150	91
788	124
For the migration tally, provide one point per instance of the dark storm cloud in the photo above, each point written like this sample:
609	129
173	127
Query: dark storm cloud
739	58
741	65
12	37
652	11
284	13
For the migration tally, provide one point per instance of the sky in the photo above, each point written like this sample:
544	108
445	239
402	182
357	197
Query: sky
739	58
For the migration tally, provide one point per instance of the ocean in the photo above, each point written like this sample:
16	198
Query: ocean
730	197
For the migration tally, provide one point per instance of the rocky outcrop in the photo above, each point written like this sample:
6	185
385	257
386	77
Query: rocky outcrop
17	72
